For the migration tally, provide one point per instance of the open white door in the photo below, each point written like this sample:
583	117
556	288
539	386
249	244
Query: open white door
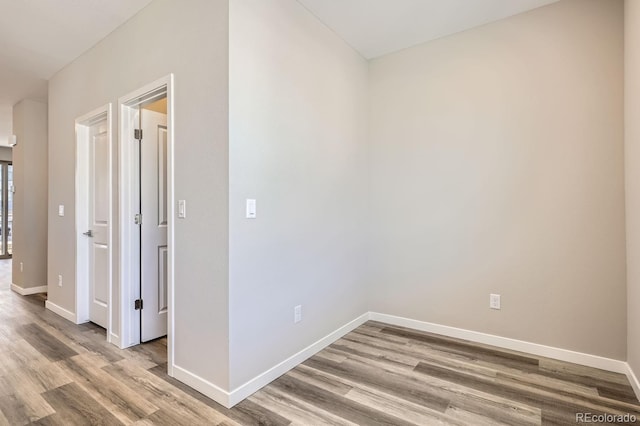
98	233
154	254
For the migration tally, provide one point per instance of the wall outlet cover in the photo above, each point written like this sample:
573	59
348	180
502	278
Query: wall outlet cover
494	301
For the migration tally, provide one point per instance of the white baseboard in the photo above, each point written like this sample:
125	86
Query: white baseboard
253	385
614	365
29	290
203	386
68	315
229	399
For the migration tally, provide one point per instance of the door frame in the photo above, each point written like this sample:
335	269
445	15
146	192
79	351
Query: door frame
129	244
82	129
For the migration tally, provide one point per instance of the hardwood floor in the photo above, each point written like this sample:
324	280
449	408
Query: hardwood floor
53	372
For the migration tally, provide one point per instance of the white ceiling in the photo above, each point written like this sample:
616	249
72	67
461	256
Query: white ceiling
377	27
39	37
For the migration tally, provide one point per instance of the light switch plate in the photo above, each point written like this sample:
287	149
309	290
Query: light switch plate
251	208
61	210
182	209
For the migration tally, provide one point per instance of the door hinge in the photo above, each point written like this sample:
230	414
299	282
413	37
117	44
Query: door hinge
137	219
137	134
138	304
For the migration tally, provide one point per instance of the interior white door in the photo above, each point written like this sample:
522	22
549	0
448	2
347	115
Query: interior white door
98	232
153	190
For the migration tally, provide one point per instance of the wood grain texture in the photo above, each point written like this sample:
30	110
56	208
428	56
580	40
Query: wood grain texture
53	372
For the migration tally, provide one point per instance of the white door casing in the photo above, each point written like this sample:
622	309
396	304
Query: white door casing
129	205
154	250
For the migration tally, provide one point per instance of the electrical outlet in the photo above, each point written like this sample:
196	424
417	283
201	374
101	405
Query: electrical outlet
21	267
59	280
297	314
494	301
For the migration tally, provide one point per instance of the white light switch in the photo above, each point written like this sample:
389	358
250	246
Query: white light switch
182	209
251	208
297	314
61	210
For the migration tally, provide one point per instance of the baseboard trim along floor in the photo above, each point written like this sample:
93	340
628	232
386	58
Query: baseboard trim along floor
28	291
276	371
588	360
68	315
229	399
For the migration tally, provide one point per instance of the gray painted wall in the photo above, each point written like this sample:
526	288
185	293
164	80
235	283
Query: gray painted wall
192	42
298	105
497	167
632	170
29	231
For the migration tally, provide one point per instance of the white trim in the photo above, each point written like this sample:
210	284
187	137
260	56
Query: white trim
614	365
203	386
253	385
22	291
68	315
171	209
633	380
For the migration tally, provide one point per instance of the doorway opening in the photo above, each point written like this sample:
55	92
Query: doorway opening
146	215
152	153
94	218
6	208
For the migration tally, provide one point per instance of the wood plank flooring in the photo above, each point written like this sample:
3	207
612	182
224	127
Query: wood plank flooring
53	372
